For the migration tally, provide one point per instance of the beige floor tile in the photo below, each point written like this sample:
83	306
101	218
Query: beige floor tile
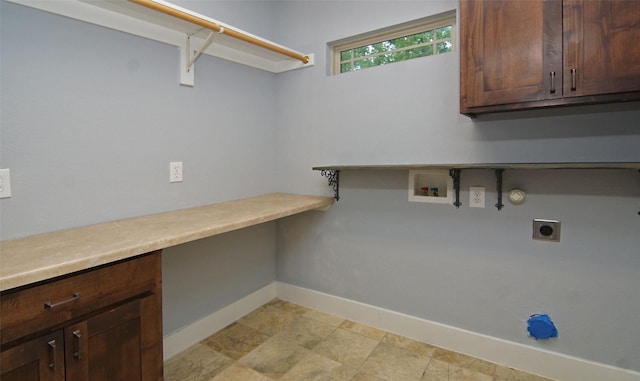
238	372
236	340
504	373
325	318
437	370
298	310
419	348
319	368
457	373
346	347
454	358
198	363
395	364
268	319
275	357
306	332
483	367
361	376
364	330
344	373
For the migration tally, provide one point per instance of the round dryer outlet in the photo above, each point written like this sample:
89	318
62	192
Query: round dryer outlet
546	230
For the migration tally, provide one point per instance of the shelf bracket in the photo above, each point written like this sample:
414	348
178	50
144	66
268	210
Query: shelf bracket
205	45
499	173
188	57
455	175
333	176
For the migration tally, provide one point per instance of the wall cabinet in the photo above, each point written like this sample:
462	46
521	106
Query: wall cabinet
527	54
100	324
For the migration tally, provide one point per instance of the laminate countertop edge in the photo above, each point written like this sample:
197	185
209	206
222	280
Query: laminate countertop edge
40	257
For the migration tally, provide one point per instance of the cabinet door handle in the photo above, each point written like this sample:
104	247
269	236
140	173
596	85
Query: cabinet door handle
573	79
78	353
52	349
49	304
552	90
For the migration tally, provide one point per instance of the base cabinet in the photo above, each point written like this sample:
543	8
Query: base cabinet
106	346
39	359
118	341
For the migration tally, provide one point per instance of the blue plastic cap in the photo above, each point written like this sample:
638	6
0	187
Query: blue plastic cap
540	326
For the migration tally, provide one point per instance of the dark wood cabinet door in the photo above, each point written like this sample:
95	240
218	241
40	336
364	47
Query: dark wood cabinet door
123	343
107	346
508	52
601	47
41	359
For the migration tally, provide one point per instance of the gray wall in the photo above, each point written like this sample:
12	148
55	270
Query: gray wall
476	269
91	119
200	277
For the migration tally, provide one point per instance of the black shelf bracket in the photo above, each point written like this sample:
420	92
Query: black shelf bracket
499	173
333	176
455	175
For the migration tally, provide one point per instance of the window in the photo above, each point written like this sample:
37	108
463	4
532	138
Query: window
421	38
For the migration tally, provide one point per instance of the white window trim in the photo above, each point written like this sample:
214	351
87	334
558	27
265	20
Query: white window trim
401	30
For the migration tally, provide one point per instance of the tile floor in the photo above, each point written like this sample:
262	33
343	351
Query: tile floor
284	341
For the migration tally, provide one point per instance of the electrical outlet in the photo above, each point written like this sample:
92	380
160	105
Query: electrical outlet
476	197
175	171
546	230
5	183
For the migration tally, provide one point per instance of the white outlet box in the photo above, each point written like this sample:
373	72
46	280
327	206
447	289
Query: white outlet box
175	171
5	183
434	186
476	197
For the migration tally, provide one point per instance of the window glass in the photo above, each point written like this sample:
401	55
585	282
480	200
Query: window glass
426	37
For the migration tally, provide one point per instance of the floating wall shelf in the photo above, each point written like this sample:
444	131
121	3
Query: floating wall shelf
333	172
193	33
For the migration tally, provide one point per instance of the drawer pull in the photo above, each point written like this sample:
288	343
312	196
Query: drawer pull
52	348
553	82
49	305
573	79
78	353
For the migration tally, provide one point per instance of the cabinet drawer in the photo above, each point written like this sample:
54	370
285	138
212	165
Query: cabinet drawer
29	310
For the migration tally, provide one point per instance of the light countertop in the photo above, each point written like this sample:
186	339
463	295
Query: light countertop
39	257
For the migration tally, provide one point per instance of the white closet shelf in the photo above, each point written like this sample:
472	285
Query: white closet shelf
232	44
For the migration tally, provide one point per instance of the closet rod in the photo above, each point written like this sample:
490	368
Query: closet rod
220	29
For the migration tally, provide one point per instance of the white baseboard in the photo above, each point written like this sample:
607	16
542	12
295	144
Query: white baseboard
184	338
515	355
